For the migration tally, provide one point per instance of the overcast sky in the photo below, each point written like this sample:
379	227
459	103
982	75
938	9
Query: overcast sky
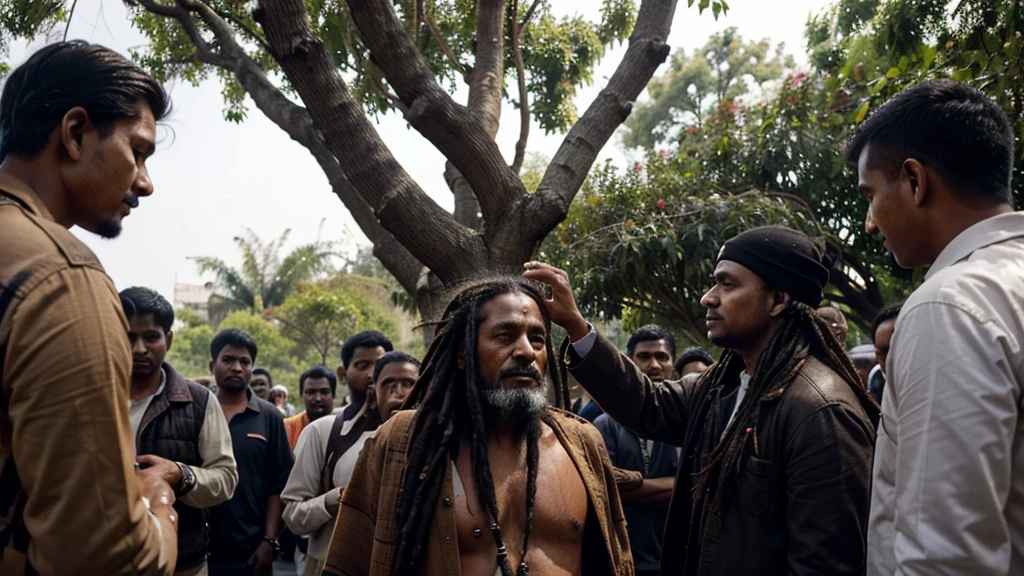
212	177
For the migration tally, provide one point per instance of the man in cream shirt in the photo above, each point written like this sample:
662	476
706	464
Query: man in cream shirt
327	451
948	483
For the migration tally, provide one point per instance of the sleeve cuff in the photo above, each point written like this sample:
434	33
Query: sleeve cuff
584	345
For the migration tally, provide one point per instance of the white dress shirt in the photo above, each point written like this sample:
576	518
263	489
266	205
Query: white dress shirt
948	479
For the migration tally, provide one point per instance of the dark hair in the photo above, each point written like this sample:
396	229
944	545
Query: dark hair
648	333
450	408
264	372
393	356
140	301
232	337
65	75
364	339
317	372
955	129
890	312
803	333
694	354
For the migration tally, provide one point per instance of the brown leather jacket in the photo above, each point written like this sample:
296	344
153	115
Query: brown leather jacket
799	507
72	506
364	533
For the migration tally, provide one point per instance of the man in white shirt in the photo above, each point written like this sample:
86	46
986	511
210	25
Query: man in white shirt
948	485
327	450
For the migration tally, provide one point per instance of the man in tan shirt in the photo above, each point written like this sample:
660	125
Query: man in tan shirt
78	122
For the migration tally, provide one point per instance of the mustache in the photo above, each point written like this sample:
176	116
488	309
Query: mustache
515	371
710	316
132	200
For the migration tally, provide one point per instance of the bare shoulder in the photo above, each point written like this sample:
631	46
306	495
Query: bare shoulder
575	425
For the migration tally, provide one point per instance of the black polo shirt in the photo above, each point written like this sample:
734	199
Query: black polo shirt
264	461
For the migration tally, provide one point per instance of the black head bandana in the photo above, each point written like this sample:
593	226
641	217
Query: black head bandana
785	259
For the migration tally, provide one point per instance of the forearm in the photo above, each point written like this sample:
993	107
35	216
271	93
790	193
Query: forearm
652	492
275	510
217	478
309	516
655	411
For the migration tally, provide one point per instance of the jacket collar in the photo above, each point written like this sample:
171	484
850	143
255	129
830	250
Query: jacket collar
20	192
985	233
177	389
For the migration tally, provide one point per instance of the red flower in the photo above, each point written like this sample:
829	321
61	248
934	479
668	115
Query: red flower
691	129
661	204
637	167
629	224
662	153
797	78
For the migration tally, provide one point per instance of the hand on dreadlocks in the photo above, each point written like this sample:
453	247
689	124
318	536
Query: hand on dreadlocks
562	304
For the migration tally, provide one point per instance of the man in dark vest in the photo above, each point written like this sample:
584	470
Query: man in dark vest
178	425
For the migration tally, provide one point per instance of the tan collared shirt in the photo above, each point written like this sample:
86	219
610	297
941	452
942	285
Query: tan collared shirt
66	375
948	479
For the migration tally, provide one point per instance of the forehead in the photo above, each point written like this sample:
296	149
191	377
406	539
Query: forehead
886	328
830	314
142	126
399	370
233	351
651	346
364	353
735	271
866	172
515	307
316	383
259	379
144	323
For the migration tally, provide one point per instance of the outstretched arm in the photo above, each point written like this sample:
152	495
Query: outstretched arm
656	411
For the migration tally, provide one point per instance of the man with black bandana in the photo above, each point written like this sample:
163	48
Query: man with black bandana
776	438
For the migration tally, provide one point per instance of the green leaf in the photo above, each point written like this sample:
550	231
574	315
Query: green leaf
904	62
703	5
716	8
893	73
862	112
928	57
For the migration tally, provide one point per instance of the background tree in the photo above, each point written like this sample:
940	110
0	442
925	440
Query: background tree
788	144
265	279
727	68
345	60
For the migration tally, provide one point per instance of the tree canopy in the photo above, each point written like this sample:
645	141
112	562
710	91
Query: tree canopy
638	236
347	61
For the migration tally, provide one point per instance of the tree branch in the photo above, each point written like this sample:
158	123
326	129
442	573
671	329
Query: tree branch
422	9
295	122
568	170
455	132
416	221
524	98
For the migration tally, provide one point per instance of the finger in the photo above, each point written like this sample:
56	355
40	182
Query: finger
146	459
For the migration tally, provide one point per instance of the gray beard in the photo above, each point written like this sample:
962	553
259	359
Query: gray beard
504	404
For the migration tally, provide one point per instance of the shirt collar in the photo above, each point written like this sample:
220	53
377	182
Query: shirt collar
27	197
254	401
159	389
985	233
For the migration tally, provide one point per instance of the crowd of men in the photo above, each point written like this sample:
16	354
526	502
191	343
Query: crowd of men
787	455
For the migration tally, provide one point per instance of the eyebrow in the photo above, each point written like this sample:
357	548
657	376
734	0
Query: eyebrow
723	275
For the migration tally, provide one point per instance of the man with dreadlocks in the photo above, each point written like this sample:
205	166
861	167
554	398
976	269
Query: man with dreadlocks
776	437
484	478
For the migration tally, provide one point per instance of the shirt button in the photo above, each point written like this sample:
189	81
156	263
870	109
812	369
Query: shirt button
447	501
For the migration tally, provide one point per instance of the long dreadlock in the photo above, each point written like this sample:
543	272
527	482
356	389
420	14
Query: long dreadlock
450	408
802	333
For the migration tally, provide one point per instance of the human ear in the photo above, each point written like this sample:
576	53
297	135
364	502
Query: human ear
917	176
72	129
780	302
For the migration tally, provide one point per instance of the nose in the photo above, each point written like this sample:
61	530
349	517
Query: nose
143	185
138	347
401	393
869	223
709	300
524	349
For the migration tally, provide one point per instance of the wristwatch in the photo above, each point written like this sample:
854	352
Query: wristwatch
273	545
188	481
